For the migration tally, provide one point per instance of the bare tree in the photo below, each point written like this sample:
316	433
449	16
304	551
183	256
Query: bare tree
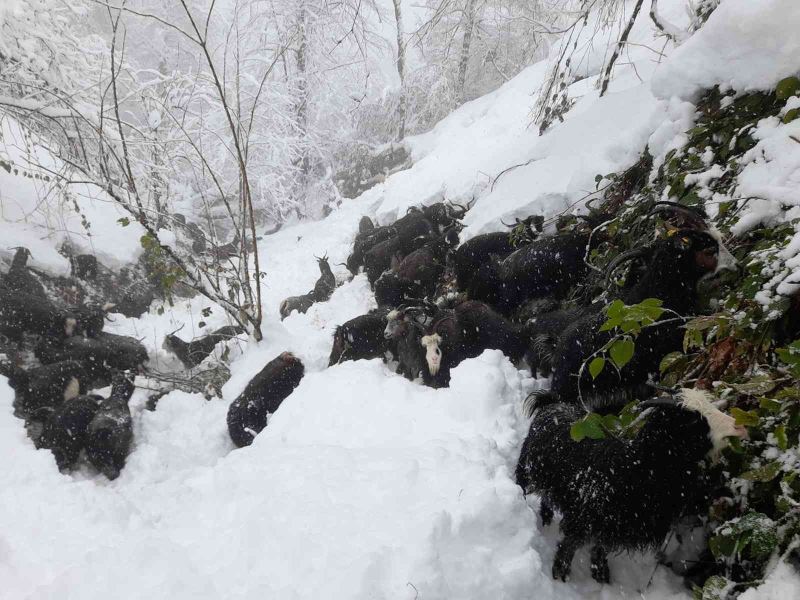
401	70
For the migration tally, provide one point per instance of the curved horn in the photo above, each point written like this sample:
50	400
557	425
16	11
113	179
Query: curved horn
694	214
621	258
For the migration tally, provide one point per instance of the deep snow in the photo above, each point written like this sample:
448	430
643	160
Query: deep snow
363	485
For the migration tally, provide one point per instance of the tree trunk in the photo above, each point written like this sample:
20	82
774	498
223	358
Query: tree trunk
469	25
401	68
303	161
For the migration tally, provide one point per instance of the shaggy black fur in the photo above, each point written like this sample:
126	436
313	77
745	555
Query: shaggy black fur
65	429
360	338
46	386
617	494
364	242
326	283
247	415
26	313
20	279
110	433
549	266
475	252
392	291
675	267
100	355
193	353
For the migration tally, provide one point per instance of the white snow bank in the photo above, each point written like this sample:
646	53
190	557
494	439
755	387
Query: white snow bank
745	45
38	214
781	584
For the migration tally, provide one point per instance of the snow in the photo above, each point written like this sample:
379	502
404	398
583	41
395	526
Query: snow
744	45
782	583
37	214
365	485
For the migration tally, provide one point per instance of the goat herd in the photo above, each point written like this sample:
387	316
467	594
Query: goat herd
439	303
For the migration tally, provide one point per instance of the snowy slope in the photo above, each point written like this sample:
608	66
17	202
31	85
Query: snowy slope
364	485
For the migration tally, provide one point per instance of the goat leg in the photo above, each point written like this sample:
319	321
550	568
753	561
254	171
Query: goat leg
562	563
546	512
599	565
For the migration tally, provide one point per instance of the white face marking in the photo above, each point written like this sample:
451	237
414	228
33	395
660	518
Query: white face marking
69	326
433	354
720	425
73	389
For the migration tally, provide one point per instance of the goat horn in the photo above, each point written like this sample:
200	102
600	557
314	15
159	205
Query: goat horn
695	214
660	401
621	258
177	330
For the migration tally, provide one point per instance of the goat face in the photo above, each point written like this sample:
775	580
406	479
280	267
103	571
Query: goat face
433	354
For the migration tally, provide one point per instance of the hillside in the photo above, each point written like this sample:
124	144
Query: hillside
366	485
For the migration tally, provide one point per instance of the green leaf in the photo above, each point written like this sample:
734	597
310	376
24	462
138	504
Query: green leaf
780	437
770	405
722	545
763	474
596	367
615	309
787	88
631	326
757	386
124	221
590	426
747	418
611	324
669	360
611	423
716	587
621	352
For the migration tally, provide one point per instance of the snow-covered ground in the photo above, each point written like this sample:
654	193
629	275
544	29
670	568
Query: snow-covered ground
364	485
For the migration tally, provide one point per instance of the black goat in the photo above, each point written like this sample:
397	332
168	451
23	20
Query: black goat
620	494
465	332
301	304
20	279
549	266
380	258
65	428
47	386
360	338
100	355
426	264
247	415
322	291
365	242
675	266
417	274
110	432
473	253
326	284
392	291
128	292
545	331
405	328
25	313
193	353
